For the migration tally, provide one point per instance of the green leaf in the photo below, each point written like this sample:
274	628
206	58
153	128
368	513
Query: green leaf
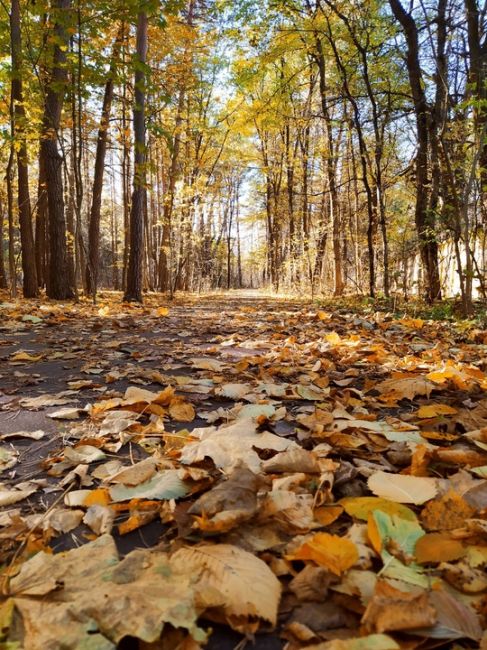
164	485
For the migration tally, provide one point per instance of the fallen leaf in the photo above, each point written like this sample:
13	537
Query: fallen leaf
432	410
33	435
392	609
362	507
66	414
104	599
446	513
234	581
335	553
230	445
182	411
403	488
165	484
438	547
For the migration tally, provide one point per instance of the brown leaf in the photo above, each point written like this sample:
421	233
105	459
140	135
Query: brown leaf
391	609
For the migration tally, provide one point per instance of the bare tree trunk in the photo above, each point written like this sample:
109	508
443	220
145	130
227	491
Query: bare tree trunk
12	267
41	227
425	220
133	291
58	286
3	275
91	271
18	129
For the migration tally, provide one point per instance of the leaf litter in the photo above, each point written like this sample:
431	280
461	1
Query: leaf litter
312	476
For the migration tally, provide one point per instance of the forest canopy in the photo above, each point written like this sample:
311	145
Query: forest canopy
315	146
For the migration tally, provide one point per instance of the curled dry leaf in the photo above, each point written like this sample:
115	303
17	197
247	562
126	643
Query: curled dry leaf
229	503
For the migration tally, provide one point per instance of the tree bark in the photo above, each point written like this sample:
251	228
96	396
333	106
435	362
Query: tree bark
19	124
3	275
133	291
58	286
424	218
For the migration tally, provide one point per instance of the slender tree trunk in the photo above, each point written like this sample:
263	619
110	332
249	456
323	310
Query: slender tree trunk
3	275
41	226
58	286
91	271
12	267
477	47
133	291
19	125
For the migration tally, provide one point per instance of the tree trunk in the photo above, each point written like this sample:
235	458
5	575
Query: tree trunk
19	124
133	291
424	218
91	272
12	267
58	286
41	226
3	275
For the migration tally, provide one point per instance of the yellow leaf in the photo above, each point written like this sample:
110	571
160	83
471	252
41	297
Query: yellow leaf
432	410
413	323
162	311
333	338
24	356
361	507
335	553
323	315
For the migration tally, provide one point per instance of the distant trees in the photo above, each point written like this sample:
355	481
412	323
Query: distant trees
337	151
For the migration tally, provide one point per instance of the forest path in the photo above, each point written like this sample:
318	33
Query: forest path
45	348
359	395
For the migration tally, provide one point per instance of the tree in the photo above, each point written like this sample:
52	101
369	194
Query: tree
58	284
133	290
424	217
101	148
19	117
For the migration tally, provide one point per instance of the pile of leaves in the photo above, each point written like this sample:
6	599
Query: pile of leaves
319	476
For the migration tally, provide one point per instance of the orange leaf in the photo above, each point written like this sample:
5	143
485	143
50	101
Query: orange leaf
326	515
335	553
98	497
432	410
438	547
